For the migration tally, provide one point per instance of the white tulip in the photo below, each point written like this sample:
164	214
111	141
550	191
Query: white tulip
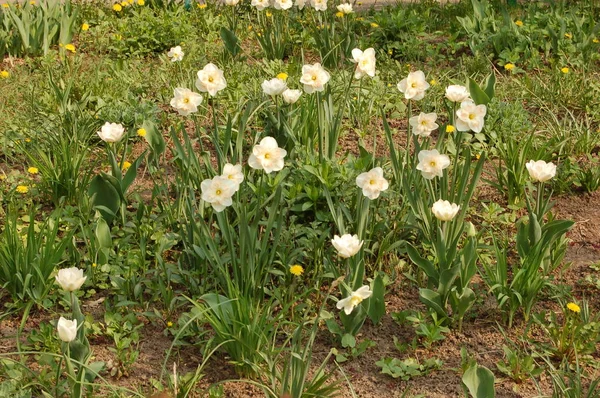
470	117
70	279
67	330
283	4
291	96
233	173
232	2
540	170
431	163
185	101
365	62
414	86
345	8
319	5
314	78
176	54
260	4
372	183
218	192
211	80
346	245
267	156
423	124
444	210
274	86
111	132
456	93
349	303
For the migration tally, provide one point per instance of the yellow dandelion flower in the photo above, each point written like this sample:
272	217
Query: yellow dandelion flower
339	14
201	6
374	25
94	265
4	74
22	189
27	139
5	5
125	4
169	324
269	14
141	132
360	18
450	129
2	177
117	7
32	3
509	66
433	82
249	27
574	307
565	70
126	165
85	27
141	2
596	41
296	270
70	47
282	76
33	170
518	22
568	36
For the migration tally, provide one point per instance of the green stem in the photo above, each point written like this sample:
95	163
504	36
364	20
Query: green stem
20	329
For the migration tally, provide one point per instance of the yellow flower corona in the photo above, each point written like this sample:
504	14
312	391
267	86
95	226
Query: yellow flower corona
22	189
574	307
141	132
85	27
509	66
296	270
33	170
450	129
565	70
117	7
4	74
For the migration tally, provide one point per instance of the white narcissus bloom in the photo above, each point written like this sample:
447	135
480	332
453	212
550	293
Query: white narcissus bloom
300	4
185	101
456	93
365	62
372	183
414	86
283	4
314	78
111	132
423	124
346	245
67	330
355	298
218	192
260	4
319	5
540	170
233	173
267	156
432	164
176	54
470	117
291	96
70	279
444	210
345	8
211	80
274	86
232	2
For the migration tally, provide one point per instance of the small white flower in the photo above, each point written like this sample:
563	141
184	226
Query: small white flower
540	170
355	298
67	330
70	279
283	4
176	54
274	86
372	183
456	93
365	62
211	80
470	117
432	164
423	124
314	78
345	8
260	4
346	245
185	101
267	156
414	86
291	96
233	173
111	132
319	5
232	2
218	192
444	210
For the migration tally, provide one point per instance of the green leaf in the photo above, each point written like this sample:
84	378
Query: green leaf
480	382
348	341
154	138
479	96
231	41
376	301
104	197
490	86
432	300
103	234
131	173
